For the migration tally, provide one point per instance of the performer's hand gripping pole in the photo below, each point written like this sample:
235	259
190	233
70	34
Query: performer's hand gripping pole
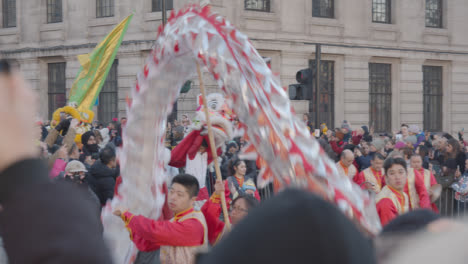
213	147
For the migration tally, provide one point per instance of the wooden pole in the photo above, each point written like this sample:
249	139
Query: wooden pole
213	147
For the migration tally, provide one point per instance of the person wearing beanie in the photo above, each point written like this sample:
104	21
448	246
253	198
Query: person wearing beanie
90	148
249	187
400	145
420	135
365	129
301	228
346	130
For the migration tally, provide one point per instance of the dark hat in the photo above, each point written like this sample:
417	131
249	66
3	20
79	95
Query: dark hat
410	222
366	129
85	137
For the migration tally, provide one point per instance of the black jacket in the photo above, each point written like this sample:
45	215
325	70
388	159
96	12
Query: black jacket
104	178
43	222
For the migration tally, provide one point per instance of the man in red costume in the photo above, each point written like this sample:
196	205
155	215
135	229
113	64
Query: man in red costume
372	178
194	151
416	191
392	200
345	165
179	238
433	188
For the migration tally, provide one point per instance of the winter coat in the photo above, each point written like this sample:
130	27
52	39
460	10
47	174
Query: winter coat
105	180
55	214
364	162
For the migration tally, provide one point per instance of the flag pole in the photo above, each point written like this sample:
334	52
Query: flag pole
213	148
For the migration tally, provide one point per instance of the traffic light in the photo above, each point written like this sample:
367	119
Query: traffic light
302	90
304	76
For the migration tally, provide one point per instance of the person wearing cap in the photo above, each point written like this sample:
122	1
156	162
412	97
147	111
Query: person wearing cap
75	173
414	130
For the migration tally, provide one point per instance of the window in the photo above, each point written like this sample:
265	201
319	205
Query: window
380	96
9	13
157	5
432	100
257	5
56	84
381	11
104	8
434	13
323	8
108	98
327	90
54	11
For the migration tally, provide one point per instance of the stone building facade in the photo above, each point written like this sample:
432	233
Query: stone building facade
385	62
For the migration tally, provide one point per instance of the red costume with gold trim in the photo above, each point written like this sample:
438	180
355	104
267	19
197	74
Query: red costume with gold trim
391	203
212	211
417	192
185	232
188	149
370	175
429	181
349	172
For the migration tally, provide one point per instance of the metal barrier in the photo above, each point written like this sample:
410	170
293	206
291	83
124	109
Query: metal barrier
447	205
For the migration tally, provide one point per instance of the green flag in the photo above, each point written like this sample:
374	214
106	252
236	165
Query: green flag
95	67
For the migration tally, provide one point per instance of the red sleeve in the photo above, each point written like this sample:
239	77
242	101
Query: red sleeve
359	179
386	210
335	148
186	146
257	196
212	210
148	234
424	201
193	150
